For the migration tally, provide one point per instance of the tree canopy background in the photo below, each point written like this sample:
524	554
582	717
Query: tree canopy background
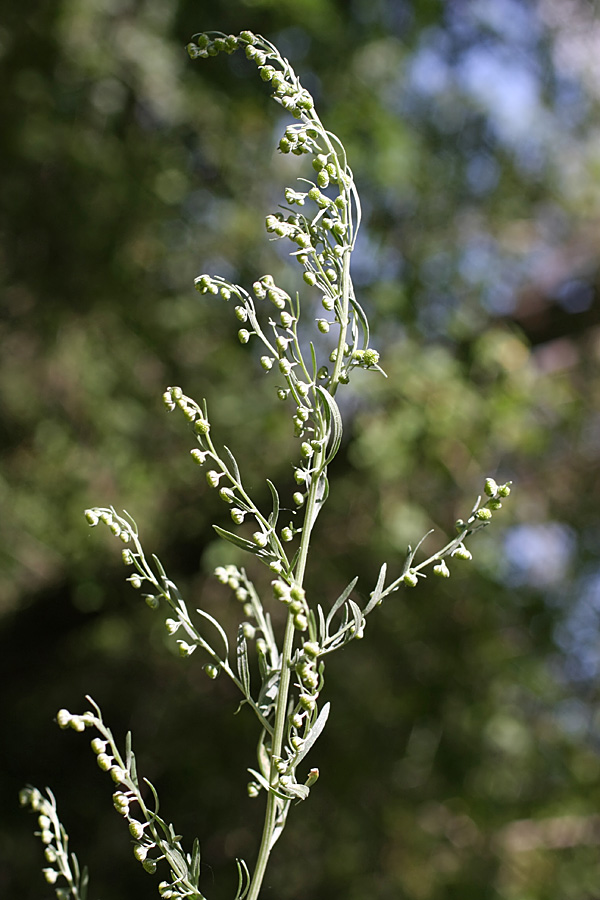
462	754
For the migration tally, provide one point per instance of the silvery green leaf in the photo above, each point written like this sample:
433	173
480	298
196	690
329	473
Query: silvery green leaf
195	863
275	514
219	628
242	660
235	539
268	787
334	420
340	601
314	733
376	595
356	615
243	880
234	464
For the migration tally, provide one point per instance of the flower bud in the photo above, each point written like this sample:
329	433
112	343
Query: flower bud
410	578
201	426
266	362
504	489
310	278
441	569
198	456
104	761
301	624
490	487
149	866
241	313
237	515
136	829
140	852
227	495
311	649
63	717
306	450
253	789
243	336
135	581
151	601
118	775
211	671
298	498
98	745
185	649
287	534
484	515
323	325
461	552
172	626
213	478
260	539
494	504
91	517
50	875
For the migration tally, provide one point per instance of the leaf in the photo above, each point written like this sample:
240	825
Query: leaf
235	539
195	863
268	787
243	880
219	628
322	627
275	514
234	464
334	420
340	601
314	732
242	660
376	595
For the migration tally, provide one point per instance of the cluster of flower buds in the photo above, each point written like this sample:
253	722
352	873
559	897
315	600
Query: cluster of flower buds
174	397
294	598
204	46
55	841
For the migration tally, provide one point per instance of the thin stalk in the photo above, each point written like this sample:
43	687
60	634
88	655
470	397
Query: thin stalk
264	851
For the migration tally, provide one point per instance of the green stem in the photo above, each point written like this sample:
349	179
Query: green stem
264	851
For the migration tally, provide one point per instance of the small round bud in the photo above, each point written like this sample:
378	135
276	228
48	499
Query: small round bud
98	745
494	504
410	578
310	278
298	498
237	515
287	534
253	789
135	581
201	426
50	875
282	394
306	450
441	569
280	589
459	524
149	866
91	517
227	495
211	671
260	539
328	303
243	336
118	775
504	489
266	362
247	36
221	574
104	761
311	649
198	456
323	325
151	601
63	717
491	488
484	515
136	829
461	552
185	649
371	357
213	478
172	625
301	624
286	319
307	703
241	313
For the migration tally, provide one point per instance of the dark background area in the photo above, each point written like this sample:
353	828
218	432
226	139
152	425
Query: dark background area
461	757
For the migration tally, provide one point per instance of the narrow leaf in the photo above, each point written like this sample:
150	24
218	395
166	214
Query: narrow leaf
235	539
234	464
195	865
376	595
219	628
340	601
334	420
314	732
275	514
242	660
243	879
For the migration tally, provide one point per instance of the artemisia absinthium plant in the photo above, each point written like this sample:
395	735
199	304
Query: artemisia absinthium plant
320	221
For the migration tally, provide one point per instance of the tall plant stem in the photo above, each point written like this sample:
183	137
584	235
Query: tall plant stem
284	688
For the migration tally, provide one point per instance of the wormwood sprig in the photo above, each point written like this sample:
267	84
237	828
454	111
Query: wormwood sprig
280	676
63	869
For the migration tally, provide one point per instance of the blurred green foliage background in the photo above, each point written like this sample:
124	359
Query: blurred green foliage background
462	754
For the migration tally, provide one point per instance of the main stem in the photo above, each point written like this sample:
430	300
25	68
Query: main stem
288	640
284	689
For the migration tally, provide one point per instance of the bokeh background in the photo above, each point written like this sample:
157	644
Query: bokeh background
462	755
